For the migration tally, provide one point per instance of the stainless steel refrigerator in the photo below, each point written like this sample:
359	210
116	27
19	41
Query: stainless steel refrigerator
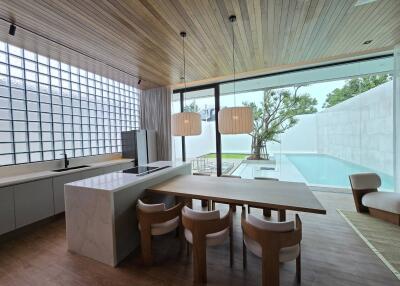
139	145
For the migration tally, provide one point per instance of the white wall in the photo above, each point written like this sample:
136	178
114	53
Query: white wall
301	138
360	130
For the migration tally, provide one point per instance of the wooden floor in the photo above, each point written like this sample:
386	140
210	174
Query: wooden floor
332	254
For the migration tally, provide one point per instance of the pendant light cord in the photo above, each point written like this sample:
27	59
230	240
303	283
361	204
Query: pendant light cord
184	61
183	35
234	66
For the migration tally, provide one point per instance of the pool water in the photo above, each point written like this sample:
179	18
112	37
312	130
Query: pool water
318	169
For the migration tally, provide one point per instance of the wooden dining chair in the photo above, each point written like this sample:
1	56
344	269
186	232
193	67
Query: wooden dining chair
268	211
155	219
202	229
204	203
273	242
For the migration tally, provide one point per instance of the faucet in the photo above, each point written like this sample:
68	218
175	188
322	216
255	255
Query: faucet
66	161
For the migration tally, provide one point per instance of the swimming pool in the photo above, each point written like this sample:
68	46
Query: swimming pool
312	169
326	170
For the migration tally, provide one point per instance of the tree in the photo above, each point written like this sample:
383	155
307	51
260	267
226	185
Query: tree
191	107
277	114
354	87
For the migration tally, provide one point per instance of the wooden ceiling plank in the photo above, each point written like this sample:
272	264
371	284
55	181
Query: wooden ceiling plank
141	37
299	31
318	31
379	16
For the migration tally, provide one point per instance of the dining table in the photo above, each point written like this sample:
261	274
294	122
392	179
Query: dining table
266	194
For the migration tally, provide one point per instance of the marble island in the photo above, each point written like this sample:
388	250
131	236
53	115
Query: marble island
100	211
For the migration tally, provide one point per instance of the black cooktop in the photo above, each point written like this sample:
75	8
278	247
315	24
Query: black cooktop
143	170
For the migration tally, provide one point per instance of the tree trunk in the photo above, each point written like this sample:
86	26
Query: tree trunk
257	146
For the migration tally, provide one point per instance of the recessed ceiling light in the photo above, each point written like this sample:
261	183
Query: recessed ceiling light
367	42
363	2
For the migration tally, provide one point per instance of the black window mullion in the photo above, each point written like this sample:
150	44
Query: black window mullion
26	109
11	106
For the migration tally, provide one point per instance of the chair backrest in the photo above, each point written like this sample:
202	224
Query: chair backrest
150	208
200	215
149	214
201	223
365	181
269	225
272	236
362	184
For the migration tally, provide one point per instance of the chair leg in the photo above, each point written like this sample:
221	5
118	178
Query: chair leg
234	208
199	261
204	203
248	209
213	206
270	269
298	268
244	256
145	246
187	248
230	246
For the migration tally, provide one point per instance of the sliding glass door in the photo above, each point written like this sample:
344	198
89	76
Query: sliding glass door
316	126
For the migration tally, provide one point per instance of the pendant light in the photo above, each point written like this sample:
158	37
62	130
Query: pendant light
185	123
235	120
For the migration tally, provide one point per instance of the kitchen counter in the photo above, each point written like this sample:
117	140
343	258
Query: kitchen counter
116	181
14	180
100	212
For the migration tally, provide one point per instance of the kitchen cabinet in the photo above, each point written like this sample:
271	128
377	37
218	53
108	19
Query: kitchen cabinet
33	201
7	217
58	189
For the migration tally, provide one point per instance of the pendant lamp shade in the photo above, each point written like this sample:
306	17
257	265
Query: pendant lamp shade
186	124
235	120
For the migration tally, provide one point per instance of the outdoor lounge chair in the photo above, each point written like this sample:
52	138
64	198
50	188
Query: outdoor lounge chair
367	198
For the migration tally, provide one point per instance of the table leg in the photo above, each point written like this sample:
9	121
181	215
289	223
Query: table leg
267	212
282	215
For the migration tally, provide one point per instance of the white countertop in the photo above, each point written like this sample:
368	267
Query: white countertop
8	181
116	181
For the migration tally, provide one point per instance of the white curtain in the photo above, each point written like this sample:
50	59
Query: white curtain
155	114
396	106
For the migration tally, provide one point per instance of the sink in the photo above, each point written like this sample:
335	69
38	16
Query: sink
71	168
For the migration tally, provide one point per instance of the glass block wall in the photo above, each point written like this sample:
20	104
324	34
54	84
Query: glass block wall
48	108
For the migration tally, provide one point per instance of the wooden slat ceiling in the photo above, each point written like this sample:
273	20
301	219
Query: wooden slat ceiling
141	37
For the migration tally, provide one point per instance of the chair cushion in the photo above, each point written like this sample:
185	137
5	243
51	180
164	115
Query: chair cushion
287	253
365	181
212	239
151	208
384	201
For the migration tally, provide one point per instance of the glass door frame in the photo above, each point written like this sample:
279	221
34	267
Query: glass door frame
216	87
181	93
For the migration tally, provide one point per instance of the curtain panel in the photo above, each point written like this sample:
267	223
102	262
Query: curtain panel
396	117
155	114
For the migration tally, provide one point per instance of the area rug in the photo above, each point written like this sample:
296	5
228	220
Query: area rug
383	238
